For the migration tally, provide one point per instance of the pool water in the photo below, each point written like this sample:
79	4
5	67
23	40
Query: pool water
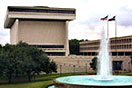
92	80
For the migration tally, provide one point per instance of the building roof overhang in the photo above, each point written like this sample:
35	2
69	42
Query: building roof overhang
38	13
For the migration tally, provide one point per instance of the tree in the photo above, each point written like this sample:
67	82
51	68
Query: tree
8	64
2	62
93	64
34	60
53	66
131	58
74	46
23	59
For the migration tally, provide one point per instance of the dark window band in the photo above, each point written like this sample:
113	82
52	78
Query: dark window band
56	53
41	10
48	46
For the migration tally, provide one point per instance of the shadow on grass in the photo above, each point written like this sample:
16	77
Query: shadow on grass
24	80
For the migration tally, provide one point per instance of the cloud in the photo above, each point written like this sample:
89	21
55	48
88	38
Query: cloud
87	24
4	36
125	16
92	21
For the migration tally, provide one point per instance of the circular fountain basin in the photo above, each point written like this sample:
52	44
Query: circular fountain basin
91	82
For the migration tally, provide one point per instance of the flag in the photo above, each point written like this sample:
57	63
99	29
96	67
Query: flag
112	19
104	18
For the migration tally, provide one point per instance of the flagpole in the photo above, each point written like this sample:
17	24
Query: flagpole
104	19
116	36
107	29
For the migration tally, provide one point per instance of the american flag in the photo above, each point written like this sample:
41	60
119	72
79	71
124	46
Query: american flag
104	18
112	19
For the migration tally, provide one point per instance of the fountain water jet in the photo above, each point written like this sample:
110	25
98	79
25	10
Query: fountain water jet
104	77
104	67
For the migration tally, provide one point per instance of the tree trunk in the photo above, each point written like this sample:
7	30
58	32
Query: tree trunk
16	73
9	78
29	77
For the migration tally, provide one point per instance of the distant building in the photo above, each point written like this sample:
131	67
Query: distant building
120	48
40	26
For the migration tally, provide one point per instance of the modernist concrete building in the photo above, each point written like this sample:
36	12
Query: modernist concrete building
120	48
47	28
40	26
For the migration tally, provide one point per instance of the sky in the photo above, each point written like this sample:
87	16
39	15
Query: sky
87	24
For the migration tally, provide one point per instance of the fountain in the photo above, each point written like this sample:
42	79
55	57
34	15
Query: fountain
104	77
104	67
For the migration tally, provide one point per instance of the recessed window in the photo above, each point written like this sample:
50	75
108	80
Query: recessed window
41	10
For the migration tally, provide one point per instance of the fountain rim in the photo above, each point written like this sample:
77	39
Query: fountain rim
90	85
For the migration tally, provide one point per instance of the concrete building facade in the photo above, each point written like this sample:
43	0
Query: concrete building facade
43	27
118	46
120	50
47	28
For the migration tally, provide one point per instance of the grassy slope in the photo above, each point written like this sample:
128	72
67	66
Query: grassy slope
44	80
38	84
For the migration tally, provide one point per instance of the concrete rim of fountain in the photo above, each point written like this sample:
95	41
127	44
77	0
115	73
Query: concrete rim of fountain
61	84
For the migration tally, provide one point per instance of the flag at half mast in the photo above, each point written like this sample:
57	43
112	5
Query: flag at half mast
104	18
112	19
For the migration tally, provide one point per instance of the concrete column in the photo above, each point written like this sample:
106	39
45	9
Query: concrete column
14	32
123	53
17	38
66	39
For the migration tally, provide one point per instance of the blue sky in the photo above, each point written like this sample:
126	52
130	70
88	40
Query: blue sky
87	24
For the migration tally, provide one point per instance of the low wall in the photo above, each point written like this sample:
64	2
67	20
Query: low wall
72	64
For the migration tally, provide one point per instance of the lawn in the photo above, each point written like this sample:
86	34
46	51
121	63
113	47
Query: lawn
42	81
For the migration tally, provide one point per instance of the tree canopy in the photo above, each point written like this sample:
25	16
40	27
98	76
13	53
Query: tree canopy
93	64
74	46
23	59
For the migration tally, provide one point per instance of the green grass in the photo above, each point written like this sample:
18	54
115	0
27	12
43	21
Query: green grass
44	81
126	73
38	84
